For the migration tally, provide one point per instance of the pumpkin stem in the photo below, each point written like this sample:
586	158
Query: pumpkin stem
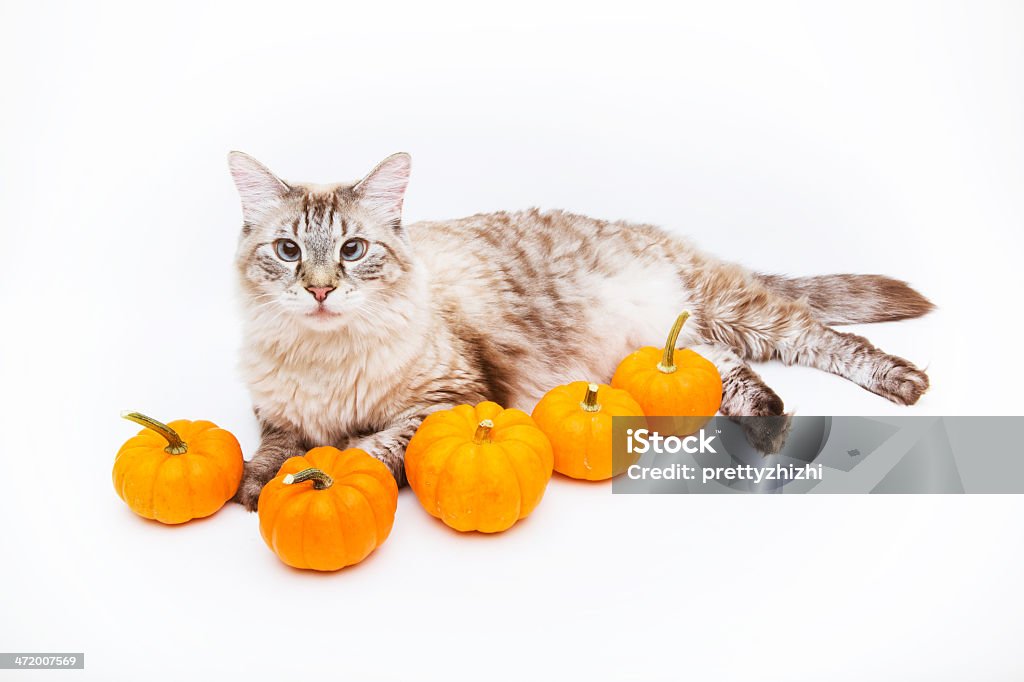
483	432
175	445
668	363
321	481
590	403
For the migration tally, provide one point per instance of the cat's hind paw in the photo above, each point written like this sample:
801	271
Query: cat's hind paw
767	434
901	382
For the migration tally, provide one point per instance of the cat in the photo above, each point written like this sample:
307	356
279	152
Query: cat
357	325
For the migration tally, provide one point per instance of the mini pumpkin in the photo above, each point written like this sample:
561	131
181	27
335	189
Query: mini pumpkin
479	468
178	471
669	382
328	509
577	419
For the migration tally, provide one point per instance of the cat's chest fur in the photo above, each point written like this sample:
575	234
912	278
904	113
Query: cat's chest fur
322	389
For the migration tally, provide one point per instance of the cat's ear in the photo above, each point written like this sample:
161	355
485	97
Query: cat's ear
382	190
258	188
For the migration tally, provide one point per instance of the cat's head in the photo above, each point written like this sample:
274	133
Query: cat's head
327	256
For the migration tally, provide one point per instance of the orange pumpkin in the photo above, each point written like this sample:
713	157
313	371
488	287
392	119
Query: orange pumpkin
179	471
479	468
670	382
577	418
328	509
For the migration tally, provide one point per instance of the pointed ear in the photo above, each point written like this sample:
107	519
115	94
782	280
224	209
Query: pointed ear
258	188
382	190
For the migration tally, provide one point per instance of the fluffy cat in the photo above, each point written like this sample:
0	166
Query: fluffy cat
357	325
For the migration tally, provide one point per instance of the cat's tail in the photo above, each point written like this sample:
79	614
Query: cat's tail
852	299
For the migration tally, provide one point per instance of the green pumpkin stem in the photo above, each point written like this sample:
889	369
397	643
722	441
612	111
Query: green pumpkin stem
321	481
590	403
175	445
483	432
668	361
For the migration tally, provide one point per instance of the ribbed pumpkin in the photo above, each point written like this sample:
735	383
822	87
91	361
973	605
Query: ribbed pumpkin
577	419
479	468
328	509
178	471
670	382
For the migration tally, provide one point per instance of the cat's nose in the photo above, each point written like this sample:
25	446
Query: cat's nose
320	293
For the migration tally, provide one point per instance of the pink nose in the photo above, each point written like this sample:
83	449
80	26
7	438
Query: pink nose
320	293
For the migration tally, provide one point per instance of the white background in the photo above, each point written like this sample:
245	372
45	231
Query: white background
800	138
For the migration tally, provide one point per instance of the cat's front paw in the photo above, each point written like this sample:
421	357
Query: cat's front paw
248	493
390	451
901	382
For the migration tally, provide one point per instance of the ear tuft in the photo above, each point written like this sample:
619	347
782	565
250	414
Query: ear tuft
383	189
258	188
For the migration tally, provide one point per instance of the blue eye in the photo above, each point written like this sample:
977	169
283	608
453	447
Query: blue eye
287	250
353	249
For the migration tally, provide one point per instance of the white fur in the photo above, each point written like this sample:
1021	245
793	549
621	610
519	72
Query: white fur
333	382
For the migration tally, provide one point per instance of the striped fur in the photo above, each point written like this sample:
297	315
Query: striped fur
852	299
503	306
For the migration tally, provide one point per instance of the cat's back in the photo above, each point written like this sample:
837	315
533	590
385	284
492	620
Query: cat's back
525	248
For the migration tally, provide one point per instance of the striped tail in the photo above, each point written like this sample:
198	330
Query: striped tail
852	299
